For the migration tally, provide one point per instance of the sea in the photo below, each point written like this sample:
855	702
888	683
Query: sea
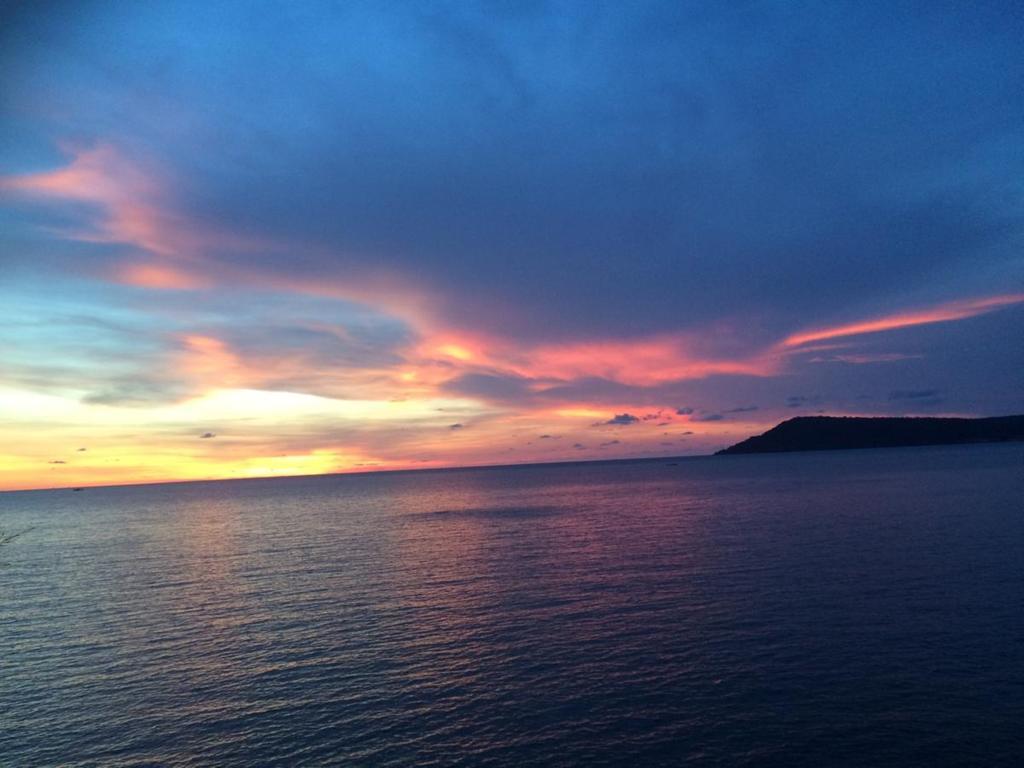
843	608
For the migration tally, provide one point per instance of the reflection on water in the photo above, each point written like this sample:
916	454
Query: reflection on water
855	608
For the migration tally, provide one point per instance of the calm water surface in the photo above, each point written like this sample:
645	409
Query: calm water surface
861	608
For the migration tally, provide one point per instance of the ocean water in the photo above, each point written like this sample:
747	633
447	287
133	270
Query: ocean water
855	608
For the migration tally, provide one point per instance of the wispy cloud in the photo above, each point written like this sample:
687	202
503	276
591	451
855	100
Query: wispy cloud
941	313
865	358
133	203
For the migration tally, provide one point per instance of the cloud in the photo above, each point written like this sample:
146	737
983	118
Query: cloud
709	417
610	442
57	461
328	209
134	392
207	435
640	361
684	411
436	223
579	446
622	419
865	358
489	386
742	409
941	313
798	401
135	207
455	426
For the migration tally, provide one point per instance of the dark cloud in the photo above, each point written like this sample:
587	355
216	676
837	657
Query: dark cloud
610	442
207	435
799	401
579	446
455	426
57	461
742	409
82	449
915	398
621	419
489	387
684	411
415	165
709	417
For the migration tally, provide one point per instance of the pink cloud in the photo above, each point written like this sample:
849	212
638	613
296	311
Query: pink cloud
149	275
134	200
136	205
953	310
641	362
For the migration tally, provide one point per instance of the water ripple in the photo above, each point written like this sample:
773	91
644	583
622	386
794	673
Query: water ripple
861	608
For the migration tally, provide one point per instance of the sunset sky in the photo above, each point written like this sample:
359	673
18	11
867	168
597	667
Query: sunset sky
287	238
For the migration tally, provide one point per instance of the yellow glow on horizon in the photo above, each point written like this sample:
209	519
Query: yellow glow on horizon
157	460
213	407
164	441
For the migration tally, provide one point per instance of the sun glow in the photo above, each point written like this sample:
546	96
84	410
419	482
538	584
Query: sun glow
456	351
64	441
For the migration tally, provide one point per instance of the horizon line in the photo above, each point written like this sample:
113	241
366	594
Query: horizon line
381	471
456	467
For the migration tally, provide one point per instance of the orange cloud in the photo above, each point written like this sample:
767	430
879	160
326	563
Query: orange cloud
145	275
954	310
209	361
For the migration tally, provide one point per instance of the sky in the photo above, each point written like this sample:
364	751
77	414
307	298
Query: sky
250	239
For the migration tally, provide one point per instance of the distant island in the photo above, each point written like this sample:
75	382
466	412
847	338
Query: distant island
824	433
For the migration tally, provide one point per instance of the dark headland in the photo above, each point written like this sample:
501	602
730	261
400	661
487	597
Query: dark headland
823	433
